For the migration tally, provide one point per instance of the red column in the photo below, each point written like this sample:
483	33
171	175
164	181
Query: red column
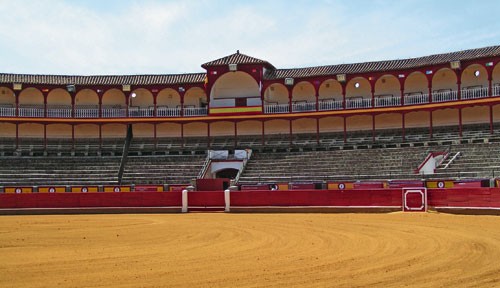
373	94
45	94
155	96
459	91
100	106
73	95
491	119
402	97
402	87
460	122
290	99
182	93
430	92
127	103
17	104
490	86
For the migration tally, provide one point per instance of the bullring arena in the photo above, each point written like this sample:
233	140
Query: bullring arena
376	174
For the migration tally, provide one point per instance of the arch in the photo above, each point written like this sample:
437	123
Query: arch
470	80
229	173
86	131
304	91
58	97
7	97
444	80
195	97
330	89
114	97
276	93
331	124
495	74
363	91
86	97
168	98
143	98
232	85
388	85
415	86
59	131
31	96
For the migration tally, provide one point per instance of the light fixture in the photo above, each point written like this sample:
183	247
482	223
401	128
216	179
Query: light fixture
182	89
18	86
126	87
71	88
357	85
289	81
477	73
341	77
455	64
133	95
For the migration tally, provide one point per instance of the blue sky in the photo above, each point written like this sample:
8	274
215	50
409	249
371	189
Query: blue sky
157	37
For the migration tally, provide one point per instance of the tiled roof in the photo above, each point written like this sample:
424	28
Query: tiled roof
237	58
384	65
103	80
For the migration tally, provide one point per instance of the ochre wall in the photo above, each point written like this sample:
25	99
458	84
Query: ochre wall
444	79
143	98
388	121
86	131
469	79
304	91
59	97
114	97
477	114
445	117
114	131
168	130
7	130
234	85
168	97
59	131
305	125
388	85
331	124
417	119
31	130
416	82
7	96
250	128
276	93
222	128
361	122
277	127
330	89
31	96
195	129
86	97
364	89
143	130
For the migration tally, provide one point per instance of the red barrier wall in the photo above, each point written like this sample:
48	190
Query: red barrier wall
206	199
369	198
78	200
460	197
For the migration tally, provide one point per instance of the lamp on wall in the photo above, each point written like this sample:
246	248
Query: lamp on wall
233	67
455	65
126	87
71	88
18	86
289	81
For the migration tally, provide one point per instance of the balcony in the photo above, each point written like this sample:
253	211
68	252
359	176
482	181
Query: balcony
116	111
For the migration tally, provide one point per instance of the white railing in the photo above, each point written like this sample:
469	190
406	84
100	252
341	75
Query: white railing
358	103
7	111
276	108
474	93
444	96
168	112
301	107
140	112
31	112
416	99
496	90
330	105
114	112
86	112
59	112
196	111
387	101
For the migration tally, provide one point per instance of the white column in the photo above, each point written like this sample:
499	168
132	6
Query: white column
184	201
227	200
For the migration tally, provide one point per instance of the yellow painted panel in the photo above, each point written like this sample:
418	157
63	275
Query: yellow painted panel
51	189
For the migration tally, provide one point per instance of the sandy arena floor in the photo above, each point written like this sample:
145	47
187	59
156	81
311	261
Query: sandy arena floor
250	250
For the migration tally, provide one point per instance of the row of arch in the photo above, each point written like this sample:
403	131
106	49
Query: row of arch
417	82
141	97
327	124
